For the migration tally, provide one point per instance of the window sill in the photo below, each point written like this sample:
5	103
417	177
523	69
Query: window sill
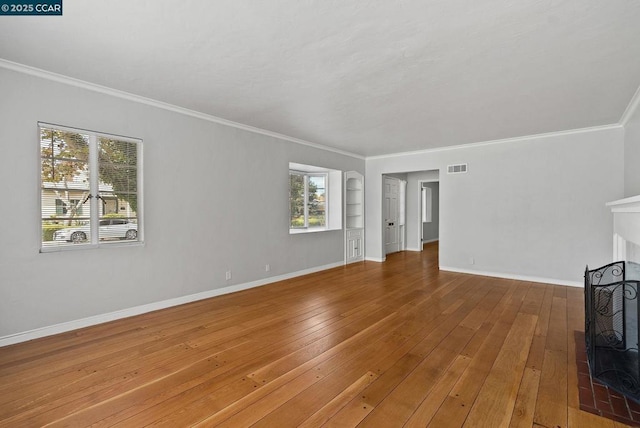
80	247
313	230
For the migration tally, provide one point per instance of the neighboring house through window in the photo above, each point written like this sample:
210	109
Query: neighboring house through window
90	188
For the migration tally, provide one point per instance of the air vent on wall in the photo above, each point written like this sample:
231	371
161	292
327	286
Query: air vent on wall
460	168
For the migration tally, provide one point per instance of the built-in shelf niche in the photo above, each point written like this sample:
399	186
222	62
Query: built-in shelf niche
354	203
354	216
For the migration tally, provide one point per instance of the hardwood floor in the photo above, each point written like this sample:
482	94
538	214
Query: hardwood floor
372	344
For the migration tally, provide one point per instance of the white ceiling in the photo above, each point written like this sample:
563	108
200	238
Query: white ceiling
369	77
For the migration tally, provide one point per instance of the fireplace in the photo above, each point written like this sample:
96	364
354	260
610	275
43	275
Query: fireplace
611	326
612	306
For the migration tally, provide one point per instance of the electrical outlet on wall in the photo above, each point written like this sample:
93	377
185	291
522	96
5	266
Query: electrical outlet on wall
267	267
228	275
472	261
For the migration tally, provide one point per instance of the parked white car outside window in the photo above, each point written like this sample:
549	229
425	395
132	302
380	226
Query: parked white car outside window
113	228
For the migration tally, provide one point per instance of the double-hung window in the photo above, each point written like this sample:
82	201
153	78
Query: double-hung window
90	188
308	200
315	198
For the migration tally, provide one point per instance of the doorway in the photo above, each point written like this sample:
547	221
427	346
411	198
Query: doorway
429	211
402	215
391	214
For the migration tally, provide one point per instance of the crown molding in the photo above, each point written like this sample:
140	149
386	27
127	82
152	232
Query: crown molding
631	108
33	71
501	141
60	78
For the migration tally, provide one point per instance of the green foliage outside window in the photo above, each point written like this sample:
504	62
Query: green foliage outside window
309	205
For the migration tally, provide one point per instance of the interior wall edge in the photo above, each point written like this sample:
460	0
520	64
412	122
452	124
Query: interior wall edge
528	278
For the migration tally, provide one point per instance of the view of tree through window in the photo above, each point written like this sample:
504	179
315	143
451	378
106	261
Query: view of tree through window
68	160
317	201
307	200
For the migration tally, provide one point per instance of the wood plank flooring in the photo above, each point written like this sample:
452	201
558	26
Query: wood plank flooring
371	344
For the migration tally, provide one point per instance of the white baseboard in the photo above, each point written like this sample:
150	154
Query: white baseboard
516	277
430	240
376	259
413	249
137	310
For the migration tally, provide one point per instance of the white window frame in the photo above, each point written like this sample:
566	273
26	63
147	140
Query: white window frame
94	184
306	176
333	197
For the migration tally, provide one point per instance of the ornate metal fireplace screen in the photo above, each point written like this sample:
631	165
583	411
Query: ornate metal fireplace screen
611	327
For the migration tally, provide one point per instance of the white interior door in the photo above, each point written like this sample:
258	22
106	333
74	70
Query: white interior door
390	215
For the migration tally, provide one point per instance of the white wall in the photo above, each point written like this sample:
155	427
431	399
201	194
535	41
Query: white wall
216	199
530	208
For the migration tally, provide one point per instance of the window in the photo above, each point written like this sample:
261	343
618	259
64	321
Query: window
63	207
427	204
314	198
308	194
90	188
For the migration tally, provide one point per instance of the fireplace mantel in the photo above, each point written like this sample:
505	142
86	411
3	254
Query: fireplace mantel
626	205
626	228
